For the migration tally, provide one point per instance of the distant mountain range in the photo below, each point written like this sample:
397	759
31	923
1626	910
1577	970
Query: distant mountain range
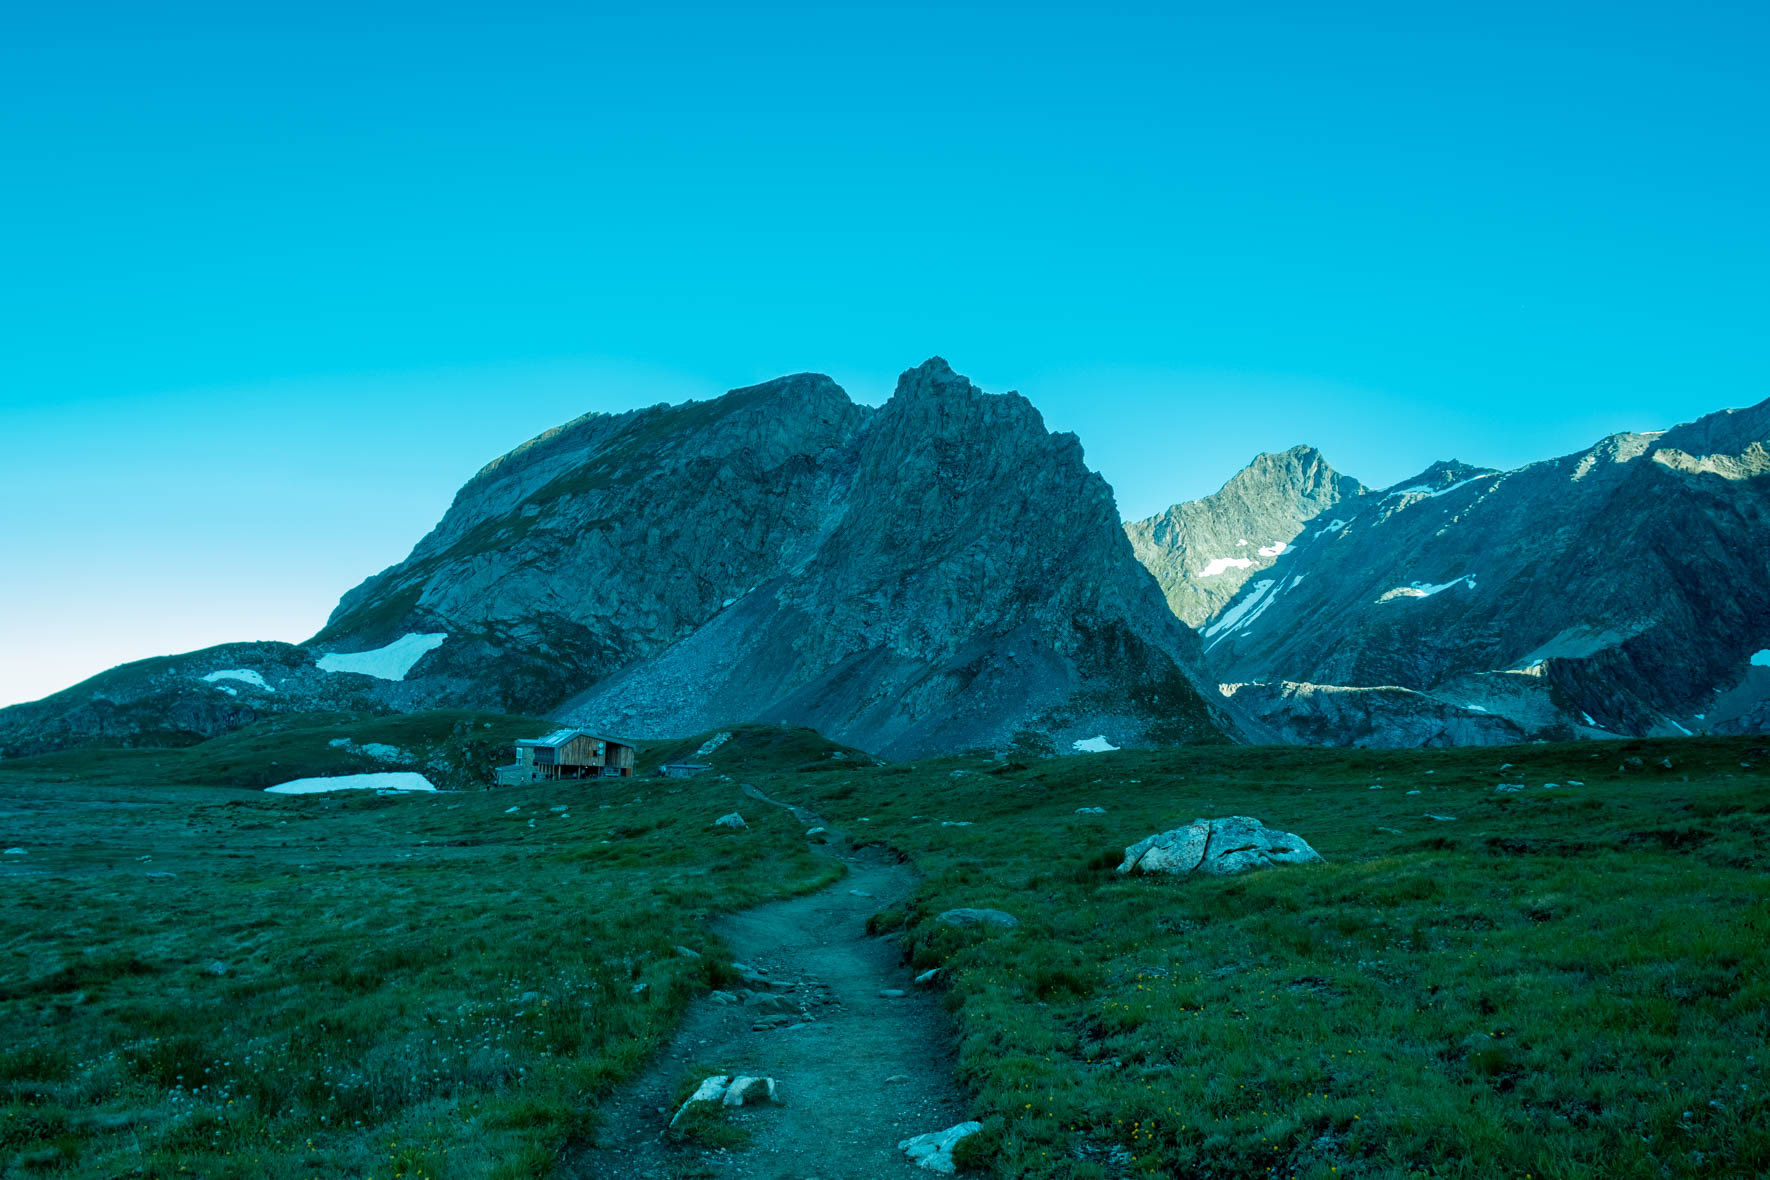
942	573
1622	590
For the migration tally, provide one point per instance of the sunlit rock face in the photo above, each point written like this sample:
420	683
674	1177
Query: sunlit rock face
1203	551
1622	589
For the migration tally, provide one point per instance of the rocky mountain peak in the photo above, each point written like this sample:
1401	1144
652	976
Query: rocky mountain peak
1203	551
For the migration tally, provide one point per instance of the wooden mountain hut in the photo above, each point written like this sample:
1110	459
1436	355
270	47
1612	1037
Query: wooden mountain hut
569	753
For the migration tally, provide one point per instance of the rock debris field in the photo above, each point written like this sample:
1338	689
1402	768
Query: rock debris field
860	1056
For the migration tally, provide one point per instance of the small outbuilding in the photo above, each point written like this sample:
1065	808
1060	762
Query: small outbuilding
568	754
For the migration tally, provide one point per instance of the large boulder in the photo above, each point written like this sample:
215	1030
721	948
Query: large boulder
1218	847
934	1150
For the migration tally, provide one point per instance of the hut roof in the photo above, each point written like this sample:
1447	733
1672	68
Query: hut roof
560	737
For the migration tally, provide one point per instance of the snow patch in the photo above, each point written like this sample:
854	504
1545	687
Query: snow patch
1332	526
713	743
1762	659
1218	564
1274	549
245	675
1426	589
1476	708
1243	613
391	780
1093	745
1427	493
384	663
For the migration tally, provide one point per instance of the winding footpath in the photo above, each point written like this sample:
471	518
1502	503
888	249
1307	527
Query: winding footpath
857	1072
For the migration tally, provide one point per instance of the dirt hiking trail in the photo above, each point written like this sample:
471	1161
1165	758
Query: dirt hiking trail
857	1072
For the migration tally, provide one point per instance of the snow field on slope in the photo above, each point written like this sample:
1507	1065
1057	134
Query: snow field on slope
384	663
390	780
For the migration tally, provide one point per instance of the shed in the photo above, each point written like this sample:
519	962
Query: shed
570	753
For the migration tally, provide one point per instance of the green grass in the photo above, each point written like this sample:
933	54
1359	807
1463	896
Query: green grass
1559	982
453	748
351	985
1562	982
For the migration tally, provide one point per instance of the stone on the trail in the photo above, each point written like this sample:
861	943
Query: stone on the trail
752	978
897	1078
934	1150
722	997
15	852
1218	847
1443	819
687	952
734	820
710	1090
772	1022
966	916
815	831
1510	787
747	1090
892	993
927	977
859	893
1090	811
771	1005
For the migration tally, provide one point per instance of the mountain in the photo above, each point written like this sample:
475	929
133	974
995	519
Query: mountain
1624	589
935	574
1203	551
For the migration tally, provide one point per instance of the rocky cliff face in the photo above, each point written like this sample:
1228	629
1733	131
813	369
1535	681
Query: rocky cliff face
969	581
1622	590
936	574
1203	551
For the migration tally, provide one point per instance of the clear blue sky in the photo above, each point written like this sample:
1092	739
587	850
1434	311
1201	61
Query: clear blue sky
277	280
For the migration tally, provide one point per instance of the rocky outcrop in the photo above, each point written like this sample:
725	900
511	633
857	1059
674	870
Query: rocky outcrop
1218	848
934	1150
1380	716
970	582
1203	551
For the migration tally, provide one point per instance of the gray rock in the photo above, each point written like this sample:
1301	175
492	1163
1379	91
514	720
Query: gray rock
711	1089
718	996
734	820
934	1150
1218	847
749	1091
1090	811
966	916
769	1004
927	977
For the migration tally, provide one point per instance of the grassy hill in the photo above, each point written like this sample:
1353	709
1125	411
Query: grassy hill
1569	979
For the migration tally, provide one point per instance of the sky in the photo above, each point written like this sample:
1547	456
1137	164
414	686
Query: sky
275	281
